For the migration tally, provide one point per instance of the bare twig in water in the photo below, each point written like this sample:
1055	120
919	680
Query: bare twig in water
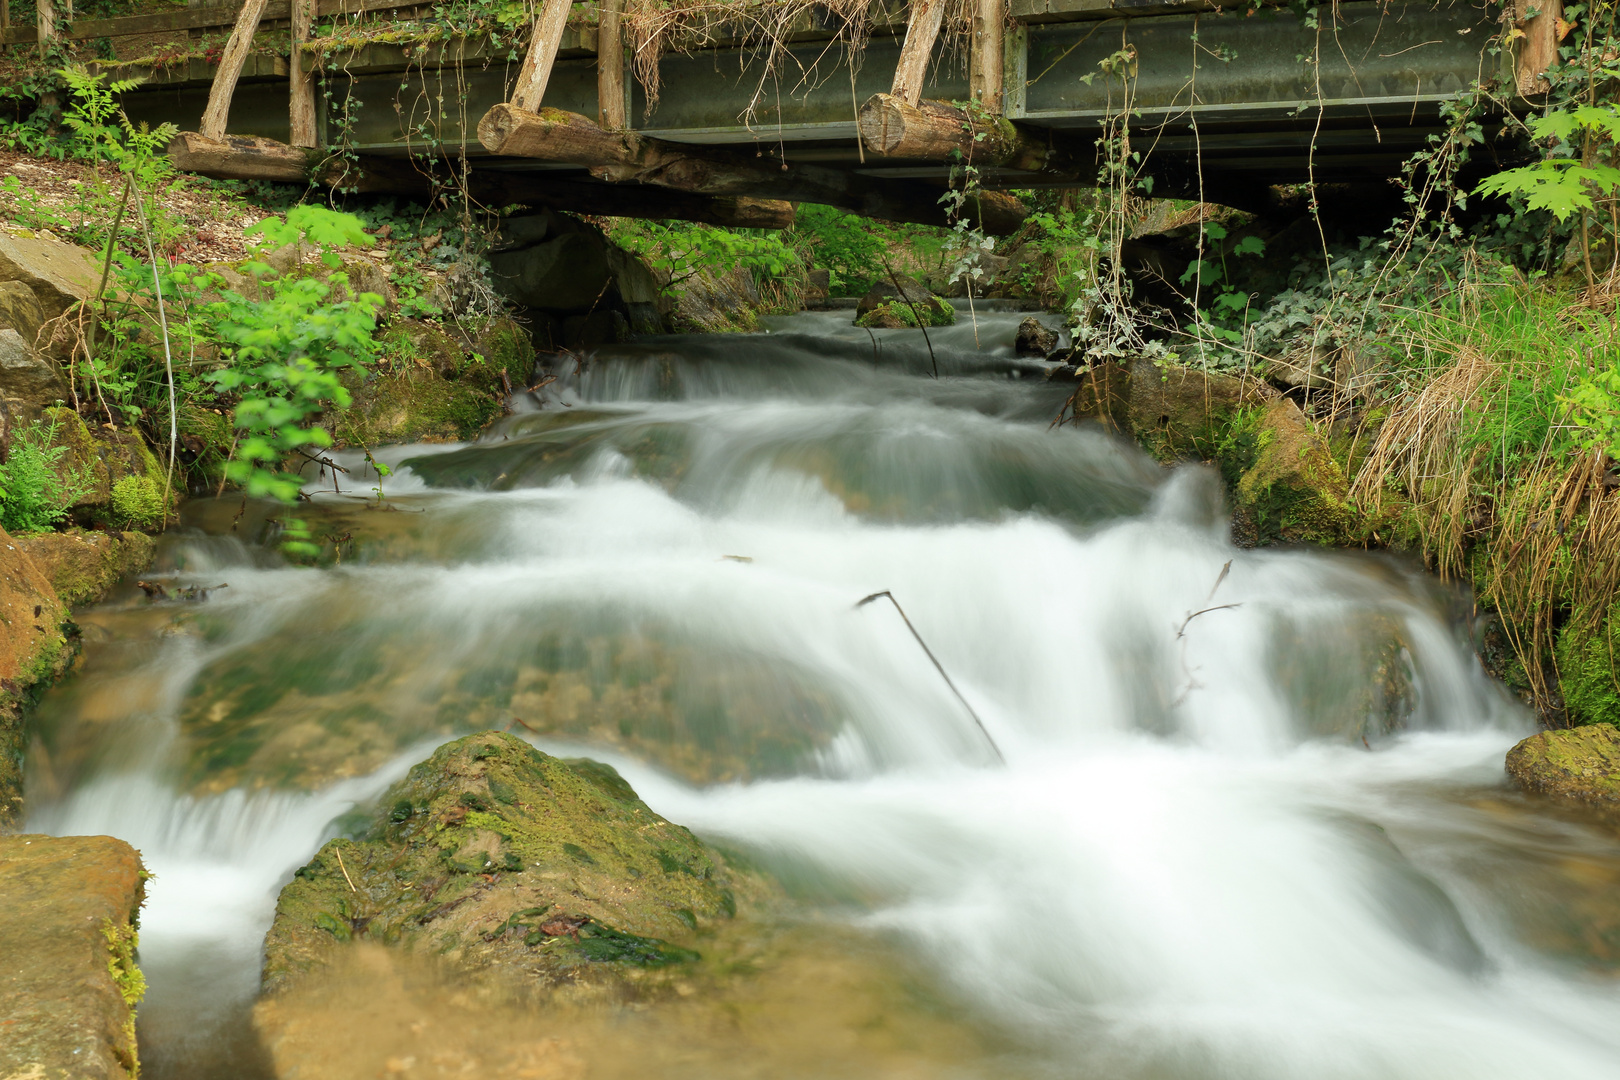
915	314
937	667
520	722
1182	631
345	870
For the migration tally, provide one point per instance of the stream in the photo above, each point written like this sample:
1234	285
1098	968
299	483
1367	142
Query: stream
1269	841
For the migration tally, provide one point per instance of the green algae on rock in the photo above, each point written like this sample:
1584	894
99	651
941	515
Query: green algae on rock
491	854
82	566
1294	488
1581	764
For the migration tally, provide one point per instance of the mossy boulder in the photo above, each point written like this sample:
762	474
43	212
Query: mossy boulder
106	456
1180	412
83	566
899	315
1581	764
491	854
432	390
1293	488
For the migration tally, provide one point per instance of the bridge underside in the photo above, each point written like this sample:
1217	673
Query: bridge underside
1219	104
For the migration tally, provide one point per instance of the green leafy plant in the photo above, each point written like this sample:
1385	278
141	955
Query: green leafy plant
36	486
285	351
1572	173
679	250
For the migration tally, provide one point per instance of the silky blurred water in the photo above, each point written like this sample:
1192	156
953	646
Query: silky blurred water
1271	840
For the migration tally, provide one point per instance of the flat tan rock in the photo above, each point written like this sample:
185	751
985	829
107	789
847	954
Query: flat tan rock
58	273
68	981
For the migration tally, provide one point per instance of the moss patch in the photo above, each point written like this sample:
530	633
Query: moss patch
491	853
1292	488
1587	675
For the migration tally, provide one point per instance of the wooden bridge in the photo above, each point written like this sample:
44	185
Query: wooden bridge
1216	102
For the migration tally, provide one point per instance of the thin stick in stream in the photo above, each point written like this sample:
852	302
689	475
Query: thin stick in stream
937	667
915	314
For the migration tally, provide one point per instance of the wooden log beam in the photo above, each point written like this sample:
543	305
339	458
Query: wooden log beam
609	67
939	131
196	18
239	157
922	29
230	69
560	137
301	79
543	45
987	45
423	180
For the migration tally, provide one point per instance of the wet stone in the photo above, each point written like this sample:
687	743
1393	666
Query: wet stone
68	980
1578	764
493	855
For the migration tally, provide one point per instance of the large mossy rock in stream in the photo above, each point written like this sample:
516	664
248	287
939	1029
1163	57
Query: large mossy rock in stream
436	388
491	854
898	304
69	907
1579	764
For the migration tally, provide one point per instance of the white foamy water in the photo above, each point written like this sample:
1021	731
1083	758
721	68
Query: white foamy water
1213	850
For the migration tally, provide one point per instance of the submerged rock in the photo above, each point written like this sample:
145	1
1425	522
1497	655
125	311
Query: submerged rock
69	907
1580	764
491	854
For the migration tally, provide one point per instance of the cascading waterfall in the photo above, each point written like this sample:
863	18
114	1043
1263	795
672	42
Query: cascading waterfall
1265	841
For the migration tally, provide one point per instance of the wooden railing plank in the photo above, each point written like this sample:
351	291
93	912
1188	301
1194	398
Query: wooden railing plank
216	16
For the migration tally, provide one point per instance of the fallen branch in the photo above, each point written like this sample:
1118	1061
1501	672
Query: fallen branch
937	667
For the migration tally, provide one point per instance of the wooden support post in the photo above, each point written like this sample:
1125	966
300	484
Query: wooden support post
984	80
921	31
230	69
536	70
45	21
567	138
301	78
1538	49
609	67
